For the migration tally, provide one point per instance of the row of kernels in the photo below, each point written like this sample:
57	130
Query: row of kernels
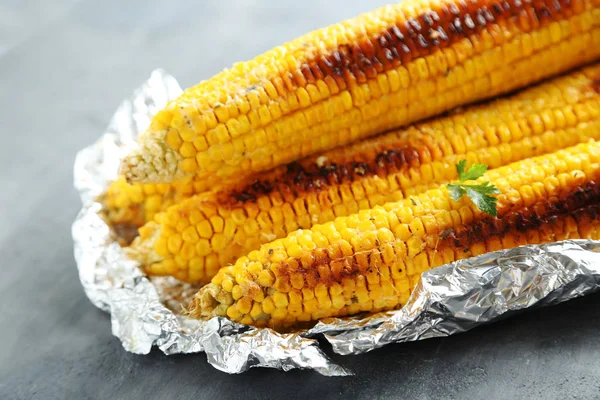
463	50
370	293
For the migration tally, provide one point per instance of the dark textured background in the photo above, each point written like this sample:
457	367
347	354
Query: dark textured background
64	67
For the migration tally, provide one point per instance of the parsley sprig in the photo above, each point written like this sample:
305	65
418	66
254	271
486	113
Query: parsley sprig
480	194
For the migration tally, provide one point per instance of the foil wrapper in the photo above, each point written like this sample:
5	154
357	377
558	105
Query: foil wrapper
145	312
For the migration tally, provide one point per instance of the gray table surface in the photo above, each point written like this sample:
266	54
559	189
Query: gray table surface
64	67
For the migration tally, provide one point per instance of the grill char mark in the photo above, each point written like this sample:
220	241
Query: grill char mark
596	85
426	33
583	204
523	220
300	180
396	45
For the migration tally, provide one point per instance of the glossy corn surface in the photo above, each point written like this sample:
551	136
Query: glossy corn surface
381	70
193	239
371	260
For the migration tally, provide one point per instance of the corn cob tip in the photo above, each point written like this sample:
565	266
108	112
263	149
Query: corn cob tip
210	301
141	247
153	161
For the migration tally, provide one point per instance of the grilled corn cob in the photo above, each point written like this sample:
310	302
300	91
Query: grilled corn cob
132	205
195	238
371	260
376	72
126	207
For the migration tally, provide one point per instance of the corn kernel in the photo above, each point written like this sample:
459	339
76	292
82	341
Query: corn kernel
237	292
268	306
161	247
280	300
174	243
256	311
266	278
173	140
244	305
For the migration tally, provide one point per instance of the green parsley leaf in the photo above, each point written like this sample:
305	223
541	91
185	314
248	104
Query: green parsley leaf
456	191
460	168
480	194
475	171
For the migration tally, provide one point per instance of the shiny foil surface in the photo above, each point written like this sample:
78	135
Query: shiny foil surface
145	312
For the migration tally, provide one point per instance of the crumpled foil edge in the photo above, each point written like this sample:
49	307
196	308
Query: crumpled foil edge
449	299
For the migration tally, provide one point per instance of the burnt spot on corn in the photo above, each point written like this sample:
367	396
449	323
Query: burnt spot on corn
596	85
547	212
255	189
299	179
424	34
326	266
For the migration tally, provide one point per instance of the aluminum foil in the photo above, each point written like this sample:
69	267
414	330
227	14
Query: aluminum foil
449	299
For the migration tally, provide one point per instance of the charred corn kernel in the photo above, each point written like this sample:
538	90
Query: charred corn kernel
567	208
319	189
398	71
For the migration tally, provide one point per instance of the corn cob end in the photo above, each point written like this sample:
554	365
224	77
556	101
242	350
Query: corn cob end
209	302
141	248
154	161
